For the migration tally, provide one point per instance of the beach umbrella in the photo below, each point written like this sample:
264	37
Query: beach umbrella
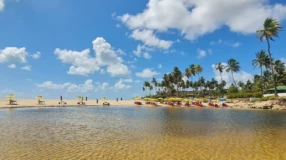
10	96
39	97
104	98
137	98
79	98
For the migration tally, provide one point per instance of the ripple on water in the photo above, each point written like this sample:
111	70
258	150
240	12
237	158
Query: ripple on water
141	133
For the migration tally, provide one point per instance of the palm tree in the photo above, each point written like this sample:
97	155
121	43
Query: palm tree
151	88
219	67
271	27
199	69
193	69
147	84
233	66
143	89
262	59
154	81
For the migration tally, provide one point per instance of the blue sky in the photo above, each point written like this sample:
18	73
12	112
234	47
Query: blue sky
109	48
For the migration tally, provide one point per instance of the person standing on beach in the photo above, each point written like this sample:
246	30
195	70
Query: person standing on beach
121	98
61	98
96	101
116	99
85	98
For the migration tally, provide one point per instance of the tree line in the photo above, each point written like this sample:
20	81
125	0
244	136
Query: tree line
192	83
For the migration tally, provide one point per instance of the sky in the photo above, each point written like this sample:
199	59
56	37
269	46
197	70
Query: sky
109	48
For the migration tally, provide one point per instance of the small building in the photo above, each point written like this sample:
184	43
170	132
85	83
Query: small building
281	90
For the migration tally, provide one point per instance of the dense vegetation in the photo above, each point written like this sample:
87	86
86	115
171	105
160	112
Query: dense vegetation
191	83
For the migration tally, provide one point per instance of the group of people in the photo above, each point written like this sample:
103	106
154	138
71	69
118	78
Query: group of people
117	99
61	98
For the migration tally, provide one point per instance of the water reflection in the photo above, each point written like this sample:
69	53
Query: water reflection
141	133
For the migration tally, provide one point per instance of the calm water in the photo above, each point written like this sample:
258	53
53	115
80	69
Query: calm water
141	133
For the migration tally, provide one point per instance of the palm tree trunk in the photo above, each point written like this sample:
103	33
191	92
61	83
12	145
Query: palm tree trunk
272	69
262	84
233	79
220	77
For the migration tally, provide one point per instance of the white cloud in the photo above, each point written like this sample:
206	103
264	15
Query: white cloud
120	52
118	70
121	86
210	51
147	73
27	68
13	54
2	5
70	87
36	55
84	64
216	42
147	55
132	66
238	76
160	66
12	66
141	50
137	81
102	71
104	86
128	80
236	44
195	18
149	39
283	60
201	53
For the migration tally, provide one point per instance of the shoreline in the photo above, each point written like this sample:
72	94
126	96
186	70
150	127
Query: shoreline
53	103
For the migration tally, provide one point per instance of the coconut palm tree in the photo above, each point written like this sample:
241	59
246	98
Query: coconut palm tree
271	28
219	67
154	81
262	59
147	85
193	69
199	69
233	66
143	89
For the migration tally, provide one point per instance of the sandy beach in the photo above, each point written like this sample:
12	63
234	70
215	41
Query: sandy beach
27	103
33	103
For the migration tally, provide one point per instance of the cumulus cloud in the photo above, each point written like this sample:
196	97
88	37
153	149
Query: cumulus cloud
201	53
83	63
149	39
70	87
195	18
147	55
147	73
121	86
120	52
128	80
238	76
118	70
2	5
141	49
102	86
12	66
26	68
13	54
36	55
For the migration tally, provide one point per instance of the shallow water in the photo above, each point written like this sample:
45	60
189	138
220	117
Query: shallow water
141	133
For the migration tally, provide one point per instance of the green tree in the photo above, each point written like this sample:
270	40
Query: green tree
271	28
219	67
233	66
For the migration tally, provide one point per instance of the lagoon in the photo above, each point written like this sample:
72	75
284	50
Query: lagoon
141	133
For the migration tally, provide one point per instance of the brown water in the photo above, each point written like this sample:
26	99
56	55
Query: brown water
141	133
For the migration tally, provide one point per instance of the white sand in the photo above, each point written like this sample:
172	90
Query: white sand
22	103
